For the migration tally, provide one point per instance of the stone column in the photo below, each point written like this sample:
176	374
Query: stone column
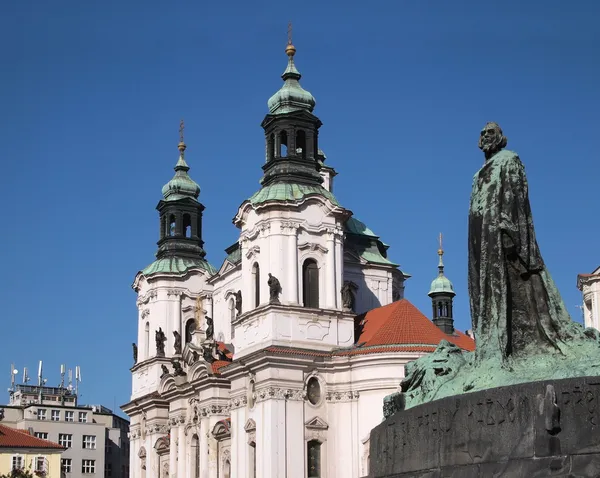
173	448
330	282
292	264
181	448
271	436
295	455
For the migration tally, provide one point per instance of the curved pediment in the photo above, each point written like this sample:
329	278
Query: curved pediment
166	384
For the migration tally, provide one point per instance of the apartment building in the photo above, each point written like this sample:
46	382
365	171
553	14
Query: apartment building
96	440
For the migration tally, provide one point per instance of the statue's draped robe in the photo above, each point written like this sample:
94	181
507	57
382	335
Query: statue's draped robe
515	306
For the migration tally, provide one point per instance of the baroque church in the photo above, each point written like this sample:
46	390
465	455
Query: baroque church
276	364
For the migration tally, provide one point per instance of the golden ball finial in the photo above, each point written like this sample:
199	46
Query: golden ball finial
181	146
290	50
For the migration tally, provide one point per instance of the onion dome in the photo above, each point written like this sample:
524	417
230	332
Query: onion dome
441	284
291	96
181	186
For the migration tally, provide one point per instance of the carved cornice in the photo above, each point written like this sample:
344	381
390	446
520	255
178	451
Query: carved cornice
238	402
276	393
313	247
334	232
290	226
346	396
176	292
143	299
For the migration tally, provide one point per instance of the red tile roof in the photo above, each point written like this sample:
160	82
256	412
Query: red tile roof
13	438
217	364
401	323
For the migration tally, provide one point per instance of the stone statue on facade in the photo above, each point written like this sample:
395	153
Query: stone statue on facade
348	299
210	328
207	354
165	371
135	353
177	369
160	339
274	289
177	343
238	302
522	329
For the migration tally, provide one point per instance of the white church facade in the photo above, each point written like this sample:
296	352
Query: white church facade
276	364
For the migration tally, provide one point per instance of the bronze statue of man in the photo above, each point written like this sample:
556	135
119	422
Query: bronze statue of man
515	307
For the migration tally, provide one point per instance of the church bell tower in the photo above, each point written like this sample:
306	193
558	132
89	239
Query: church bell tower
442	296
180	213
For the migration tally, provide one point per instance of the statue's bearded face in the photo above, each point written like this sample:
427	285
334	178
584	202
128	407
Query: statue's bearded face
491	139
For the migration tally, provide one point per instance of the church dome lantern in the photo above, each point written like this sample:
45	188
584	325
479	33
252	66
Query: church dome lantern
442	297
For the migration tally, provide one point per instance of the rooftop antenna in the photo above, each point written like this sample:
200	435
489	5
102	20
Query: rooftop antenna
77	379
25	376
13	374
70	387
40	374
62	376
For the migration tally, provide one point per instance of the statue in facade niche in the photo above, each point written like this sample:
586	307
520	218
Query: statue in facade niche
207	354
523	331
165	371
210	328
238	302
274	289
135	353
160	339
177	344
348	290
177	369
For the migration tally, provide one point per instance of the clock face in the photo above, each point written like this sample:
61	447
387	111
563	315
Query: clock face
313	390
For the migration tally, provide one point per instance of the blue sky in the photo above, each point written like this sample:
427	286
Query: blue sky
91	97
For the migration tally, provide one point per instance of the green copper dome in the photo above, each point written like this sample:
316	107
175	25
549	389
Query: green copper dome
181	186
291	96
441	284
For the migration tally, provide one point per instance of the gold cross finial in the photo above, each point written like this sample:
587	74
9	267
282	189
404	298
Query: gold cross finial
290	49
181	146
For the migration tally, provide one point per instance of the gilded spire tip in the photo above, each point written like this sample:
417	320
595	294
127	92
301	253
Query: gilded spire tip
181	145
441	253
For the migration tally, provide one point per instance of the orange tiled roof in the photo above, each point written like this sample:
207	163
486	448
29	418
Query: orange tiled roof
13	438
217	364
401	323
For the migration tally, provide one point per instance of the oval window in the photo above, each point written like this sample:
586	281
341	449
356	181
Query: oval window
313	390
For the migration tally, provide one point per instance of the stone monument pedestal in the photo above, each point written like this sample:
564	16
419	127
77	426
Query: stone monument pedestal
536	429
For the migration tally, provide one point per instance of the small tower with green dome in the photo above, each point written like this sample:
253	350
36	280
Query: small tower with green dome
180	213
442	295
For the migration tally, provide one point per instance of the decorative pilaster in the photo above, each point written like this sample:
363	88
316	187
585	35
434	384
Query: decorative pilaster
330	279
292	263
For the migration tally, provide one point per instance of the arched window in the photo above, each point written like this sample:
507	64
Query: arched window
301	143
195	456
187	225
310	283
313	459
163	227
172	225
283	146
147	339
190	328
271	147
256	283
313	390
